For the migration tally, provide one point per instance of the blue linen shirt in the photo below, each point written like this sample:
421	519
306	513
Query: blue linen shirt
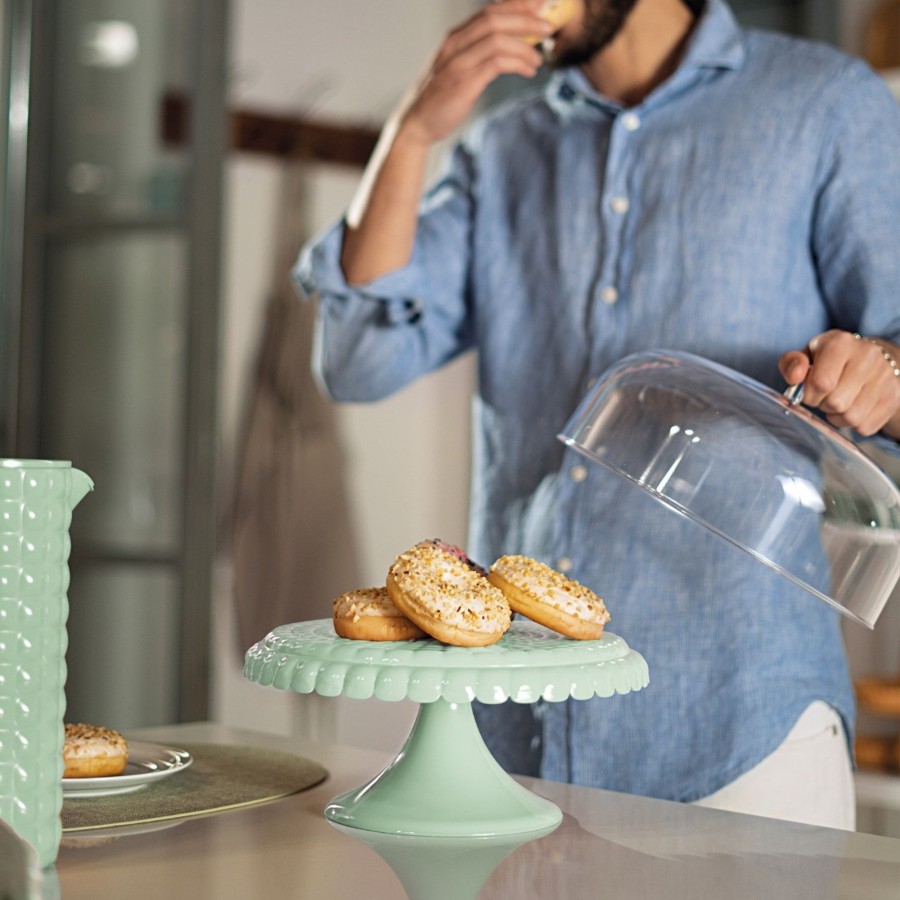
748	203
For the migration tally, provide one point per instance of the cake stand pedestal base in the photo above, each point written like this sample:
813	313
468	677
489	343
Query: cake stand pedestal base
444	783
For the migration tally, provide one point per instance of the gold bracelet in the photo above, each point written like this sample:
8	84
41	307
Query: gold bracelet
895	368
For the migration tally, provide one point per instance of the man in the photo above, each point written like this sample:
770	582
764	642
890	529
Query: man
681	184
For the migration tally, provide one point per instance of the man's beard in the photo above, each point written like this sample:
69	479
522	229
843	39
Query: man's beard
602	21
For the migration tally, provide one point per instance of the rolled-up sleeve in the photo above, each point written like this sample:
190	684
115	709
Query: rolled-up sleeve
375	338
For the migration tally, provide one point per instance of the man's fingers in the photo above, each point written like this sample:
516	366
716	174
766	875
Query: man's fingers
490	44
793	366
514	19
830	384
844	380
489	47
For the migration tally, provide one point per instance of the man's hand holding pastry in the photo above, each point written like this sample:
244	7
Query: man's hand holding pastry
491	43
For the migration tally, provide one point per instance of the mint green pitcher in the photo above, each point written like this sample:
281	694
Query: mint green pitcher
36	501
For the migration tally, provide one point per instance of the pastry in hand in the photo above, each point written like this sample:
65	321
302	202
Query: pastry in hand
367	614
557	13
549	597
92	751
447	597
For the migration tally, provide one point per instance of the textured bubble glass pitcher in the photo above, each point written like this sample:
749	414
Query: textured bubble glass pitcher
36	502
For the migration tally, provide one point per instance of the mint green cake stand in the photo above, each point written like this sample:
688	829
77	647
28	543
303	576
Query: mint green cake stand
444	782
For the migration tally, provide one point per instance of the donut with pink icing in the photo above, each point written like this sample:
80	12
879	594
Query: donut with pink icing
549	597
453	550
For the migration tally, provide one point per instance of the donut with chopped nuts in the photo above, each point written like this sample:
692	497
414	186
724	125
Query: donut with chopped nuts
367	614
447	598
549	597
92	751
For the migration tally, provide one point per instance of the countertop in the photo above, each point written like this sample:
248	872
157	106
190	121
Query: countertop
609	845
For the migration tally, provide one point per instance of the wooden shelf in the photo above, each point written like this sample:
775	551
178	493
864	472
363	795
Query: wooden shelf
273	135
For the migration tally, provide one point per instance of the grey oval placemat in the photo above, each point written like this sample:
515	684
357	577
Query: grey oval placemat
221	776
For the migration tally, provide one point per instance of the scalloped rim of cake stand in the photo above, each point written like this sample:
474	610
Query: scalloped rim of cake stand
445	782
529	663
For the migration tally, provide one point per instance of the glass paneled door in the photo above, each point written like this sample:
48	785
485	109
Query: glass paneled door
15	64
118	337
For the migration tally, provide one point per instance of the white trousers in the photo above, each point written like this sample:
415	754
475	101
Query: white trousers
809	778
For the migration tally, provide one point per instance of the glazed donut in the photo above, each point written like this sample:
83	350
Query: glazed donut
91	751
367	614
447	598
548	597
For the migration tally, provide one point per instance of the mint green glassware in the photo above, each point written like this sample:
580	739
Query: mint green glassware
36	502
444	782
442	868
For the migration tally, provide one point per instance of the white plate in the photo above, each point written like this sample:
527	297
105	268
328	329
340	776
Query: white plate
146	763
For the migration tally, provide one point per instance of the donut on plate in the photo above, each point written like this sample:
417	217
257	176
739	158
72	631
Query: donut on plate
549	597
367	614
447	598
91	751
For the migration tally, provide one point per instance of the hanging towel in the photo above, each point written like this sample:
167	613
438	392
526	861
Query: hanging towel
292	541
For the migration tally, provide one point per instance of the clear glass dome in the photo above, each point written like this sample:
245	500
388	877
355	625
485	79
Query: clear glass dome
752	466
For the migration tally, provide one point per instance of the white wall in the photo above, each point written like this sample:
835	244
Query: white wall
408	456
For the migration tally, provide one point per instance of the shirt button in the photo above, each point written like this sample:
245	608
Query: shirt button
631	121
564	564
578	473
609	295
619	205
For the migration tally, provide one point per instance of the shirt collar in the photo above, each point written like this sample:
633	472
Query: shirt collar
717	43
